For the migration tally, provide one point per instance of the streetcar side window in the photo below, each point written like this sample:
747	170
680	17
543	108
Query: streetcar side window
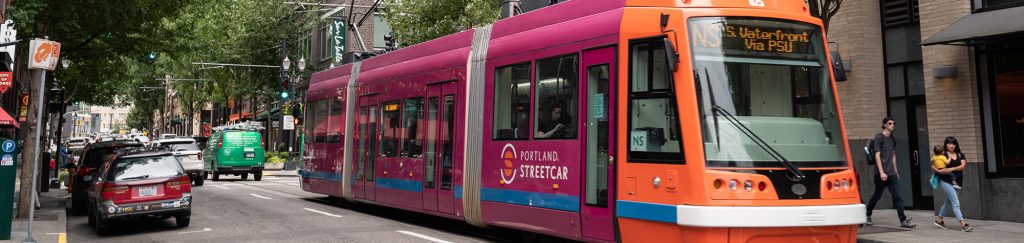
511	102
556	98
337	110
308	122
413	116
320	124
653	119
389	132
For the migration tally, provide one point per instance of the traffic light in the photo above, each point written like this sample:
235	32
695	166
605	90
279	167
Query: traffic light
284	94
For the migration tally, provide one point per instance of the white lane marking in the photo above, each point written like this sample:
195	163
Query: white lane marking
222	187
255	195
424	237
322	212
197	231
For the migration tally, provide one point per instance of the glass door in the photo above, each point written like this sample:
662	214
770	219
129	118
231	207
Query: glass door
367	153
599	150
438	188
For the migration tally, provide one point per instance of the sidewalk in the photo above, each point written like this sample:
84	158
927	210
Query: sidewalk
886	229
50	224
281	173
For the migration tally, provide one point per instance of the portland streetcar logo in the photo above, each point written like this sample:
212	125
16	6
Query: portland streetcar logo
508	172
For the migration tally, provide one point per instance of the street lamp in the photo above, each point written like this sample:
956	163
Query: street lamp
286	63
65	63
302	64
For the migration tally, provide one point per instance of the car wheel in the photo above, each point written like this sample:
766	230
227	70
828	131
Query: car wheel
92	218
101	226
78	202
182	220
245	176
199	181
258	176
206	175
216	176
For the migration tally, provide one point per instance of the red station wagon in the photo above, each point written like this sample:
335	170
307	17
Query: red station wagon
139	183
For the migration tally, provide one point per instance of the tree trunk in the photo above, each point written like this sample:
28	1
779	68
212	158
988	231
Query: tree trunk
28	149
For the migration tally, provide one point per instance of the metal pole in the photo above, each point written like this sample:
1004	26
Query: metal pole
35	165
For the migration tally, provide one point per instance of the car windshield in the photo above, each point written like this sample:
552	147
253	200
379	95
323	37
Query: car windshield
182	146
773	76
145	168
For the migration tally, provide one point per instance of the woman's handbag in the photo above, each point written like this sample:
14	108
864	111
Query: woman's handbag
935	181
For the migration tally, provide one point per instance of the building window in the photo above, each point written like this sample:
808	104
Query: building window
381	28
512	102
1007	115
556	98
326	44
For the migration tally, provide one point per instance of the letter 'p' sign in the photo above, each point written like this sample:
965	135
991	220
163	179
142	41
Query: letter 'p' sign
45	54
8	146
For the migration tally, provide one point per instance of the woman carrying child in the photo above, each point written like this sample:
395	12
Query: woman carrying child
948	177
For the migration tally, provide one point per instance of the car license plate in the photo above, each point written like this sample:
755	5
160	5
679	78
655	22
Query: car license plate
147	191
250	154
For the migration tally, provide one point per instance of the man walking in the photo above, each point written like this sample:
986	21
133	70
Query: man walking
887	175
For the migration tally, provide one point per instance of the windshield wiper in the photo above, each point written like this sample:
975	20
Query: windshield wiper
714	104
794	173
136	177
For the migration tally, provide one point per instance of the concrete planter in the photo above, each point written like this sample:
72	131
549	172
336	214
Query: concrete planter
273	166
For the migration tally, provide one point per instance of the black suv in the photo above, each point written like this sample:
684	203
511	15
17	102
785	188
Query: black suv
92	157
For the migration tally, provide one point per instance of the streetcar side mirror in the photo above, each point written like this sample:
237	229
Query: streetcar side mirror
671	56
837	66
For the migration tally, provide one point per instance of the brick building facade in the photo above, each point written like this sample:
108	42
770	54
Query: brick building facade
892	74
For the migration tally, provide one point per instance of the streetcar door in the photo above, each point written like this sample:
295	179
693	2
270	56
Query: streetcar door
369	114
438	188
599	150
430	157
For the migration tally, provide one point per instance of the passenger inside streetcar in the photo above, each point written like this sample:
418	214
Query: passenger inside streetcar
554	124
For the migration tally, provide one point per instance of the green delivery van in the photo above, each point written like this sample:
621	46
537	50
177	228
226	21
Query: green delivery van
235	152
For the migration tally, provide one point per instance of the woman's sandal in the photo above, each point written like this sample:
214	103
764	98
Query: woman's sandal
967	228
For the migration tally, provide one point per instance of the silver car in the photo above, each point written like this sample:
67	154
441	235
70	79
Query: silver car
189	155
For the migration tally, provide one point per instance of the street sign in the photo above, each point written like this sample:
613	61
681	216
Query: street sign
8	146
44	54
7	35
288	122
23	112
6	80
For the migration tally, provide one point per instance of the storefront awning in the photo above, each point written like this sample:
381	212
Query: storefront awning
979	26
7	121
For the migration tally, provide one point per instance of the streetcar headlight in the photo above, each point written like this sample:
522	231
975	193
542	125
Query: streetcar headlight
733	184
748	185
846	184
836	183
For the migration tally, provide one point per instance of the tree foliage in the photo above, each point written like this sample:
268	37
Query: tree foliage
415	21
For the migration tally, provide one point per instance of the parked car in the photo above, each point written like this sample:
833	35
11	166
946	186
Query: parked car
77	142
188	153
234	151
82	176
140	183
168	135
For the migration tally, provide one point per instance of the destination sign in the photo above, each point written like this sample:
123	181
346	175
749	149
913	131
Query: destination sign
754	37
391	107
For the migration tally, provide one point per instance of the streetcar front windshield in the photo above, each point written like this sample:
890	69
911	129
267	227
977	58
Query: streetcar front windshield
772	77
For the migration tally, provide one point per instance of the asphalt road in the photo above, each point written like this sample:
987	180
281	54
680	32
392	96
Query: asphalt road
277	210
